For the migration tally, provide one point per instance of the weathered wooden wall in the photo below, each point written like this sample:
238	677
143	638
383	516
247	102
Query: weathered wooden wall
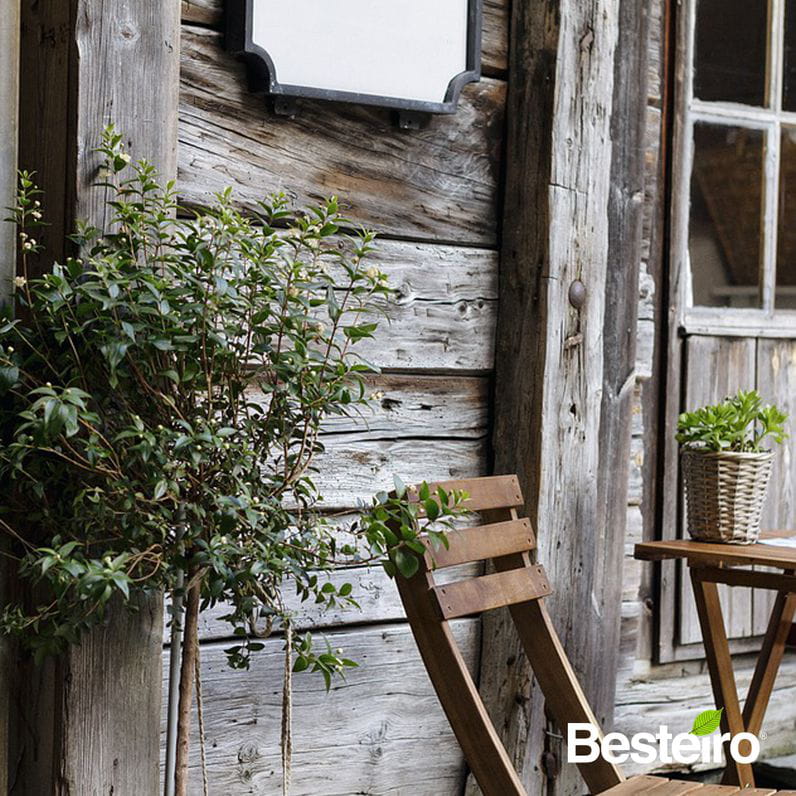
432	195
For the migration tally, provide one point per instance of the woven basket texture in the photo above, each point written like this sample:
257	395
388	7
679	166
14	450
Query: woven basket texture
725	493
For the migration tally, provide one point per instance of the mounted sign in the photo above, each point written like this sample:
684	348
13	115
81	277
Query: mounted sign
412	55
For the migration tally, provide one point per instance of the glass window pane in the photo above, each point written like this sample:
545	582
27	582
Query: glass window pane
789	81
785	294
726	200
730	42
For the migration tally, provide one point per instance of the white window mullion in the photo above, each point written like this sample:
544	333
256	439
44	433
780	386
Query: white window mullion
770	211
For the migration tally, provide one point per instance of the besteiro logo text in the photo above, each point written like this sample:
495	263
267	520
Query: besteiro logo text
584	744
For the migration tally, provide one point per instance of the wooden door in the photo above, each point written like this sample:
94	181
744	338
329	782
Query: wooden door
732	291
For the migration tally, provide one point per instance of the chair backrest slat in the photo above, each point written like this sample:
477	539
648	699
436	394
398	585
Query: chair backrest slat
482	542
475	595
490	492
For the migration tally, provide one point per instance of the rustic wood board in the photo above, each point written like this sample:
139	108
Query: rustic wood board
715	368
352	470
418	406
776	382
494	45
380	732
443	315
373	590
439	183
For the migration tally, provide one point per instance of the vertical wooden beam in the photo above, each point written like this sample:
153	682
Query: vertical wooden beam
94	726
620	327
9	102
572	212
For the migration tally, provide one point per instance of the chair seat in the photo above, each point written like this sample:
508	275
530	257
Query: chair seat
659	786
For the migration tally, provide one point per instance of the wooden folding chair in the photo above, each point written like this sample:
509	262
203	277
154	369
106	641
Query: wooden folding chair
521	585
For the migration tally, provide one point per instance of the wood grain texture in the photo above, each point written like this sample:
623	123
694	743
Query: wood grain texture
458	694
549	360
111	39
381	733
418	405
494	43
376	595
45	115
495	590
776	382
9	118
481	542
87	63
439	183
351	470
716	368
722	676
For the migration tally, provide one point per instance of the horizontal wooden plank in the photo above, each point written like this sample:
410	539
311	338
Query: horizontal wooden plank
439	183
381	731
442	317
351	470
758	578
476	595
420	406
444	311
483	493
482	542
375	593
494	43
726	554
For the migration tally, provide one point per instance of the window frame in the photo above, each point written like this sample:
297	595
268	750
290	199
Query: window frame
766	320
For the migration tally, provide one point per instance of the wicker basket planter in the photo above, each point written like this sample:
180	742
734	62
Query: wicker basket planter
725	493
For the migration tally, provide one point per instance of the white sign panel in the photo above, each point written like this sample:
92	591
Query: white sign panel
412	54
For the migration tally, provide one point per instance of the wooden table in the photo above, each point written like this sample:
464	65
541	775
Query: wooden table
710	564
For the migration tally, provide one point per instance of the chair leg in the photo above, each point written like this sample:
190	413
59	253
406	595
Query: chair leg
564	698
483	749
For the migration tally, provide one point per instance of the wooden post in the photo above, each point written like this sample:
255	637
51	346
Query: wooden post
94	724
9	100
565	349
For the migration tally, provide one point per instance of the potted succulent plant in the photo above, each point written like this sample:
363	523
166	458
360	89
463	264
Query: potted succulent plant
726	469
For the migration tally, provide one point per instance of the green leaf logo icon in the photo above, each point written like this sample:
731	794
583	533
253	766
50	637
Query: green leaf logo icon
707	722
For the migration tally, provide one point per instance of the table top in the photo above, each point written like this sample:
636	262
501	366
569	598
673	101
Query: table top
716	554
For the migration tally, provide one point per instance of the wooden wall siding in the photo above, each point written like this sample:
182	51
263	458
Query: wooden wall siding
494	35
721	366
776	381
432	196
381	731
436	184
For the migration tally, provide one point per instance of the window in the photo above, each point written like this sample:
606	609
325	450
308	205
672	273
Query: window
735	190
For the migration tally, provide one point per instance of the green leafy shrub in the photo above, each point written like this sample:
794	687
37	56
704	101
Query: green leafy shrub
161	397
740	423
